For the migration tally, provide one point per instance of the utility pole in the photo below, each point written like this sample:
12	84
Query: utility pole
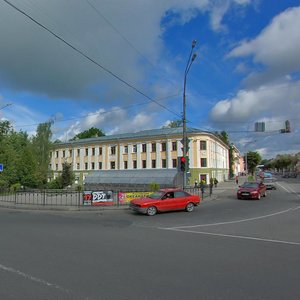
192	57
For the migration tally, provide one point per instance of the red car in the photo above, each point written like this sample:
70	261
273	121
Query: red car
165	200
252	190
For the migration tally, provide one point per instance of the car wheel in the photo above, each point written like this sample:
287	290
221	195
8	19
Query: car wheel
190	207
151	211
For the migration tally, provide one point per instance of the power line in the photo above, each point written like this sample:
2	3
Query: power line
88	58
102	112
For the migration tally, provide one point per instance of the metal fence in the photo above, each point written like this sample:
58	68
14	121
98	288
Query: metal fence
71	198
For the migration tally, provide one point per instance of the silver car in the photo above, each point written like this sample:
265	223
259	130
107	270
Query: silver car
270	183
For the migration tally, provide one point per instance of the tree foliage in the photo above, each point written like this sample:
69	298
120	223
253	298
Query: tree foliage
253	159
173	124
92	132
25	159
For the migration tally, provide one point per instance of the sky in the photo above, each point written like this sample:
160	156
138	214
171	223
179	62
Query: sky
119	65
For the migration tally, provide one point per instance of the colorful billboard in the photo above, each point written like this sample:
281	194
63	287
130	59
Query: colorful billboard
127	197
98	198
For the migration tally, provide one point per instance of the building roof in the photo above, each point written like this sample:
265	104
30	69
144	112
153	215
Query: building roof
132	177
163	132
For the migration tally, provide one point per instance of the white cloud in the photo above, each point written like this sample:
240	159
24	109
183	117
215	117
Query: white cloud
277	48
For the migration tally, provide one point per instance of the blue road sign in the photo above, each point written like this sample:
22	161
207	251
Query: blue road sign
1	167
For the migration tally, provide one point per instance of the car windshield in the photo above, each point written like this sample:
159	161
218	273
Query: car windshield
156	195
250	185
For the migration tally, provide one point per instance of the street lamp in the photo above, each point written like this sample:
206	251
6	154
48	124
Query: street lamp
192	57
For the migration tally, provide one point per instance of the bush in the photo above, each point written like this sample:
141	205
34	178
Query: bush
54	184
14	187
250	178
154	186
3	185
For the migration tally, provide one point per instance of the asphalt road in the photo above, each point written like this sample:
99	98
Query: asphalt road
225	249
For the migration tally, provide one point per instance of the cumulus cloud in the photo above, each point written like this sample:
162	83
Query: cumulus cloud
34	61
276	48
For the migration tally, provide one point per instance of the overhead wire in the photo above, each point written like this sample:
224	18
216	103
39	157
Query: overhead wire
89	58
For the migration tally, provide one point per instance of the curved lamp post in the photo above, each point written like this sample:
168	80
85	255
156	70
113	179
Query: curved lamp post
192	57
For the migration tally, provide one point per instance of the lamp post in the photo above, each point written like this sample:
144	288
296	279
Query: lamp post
192	57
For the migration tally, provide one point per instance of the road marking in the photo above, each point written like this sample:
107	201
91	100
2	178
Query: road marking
289	190
232	222
38	280
235	236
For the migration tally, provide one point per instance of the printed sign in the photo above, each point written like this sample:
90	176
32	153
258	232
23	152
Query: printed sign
97	198
1	167
127	197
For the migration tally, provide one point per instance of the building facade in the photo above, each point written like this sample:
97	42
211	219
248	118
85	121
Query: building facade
149	149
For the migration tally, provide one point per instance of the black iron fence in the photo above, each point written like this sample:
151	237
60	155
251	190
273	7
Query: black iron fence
73	198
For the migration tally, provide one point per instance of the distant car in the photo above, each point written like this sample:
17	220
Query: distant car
165	200
270	183
252	190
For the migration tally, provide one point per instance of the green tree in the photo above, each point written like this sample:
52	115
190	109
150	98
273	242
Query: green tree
67	175
41	146
92	132
253	159
173	124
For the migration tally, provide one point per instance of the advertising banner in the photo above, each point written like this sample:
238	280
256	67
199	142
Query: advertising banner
98	198
127	197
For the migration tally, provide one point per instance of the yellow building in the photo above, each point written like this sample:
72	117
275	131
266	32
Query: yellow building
148	149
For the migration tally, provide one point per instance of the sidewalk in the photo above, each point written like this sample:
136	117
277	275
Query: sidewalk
223	188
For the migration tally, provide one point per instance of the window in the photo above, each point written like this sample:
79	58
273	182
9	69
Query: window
153	147
174	146
174	163
164	163
86	166
134	164
202	145
163	147
125	149
144	164
64	153
100	165
113	150
153	164
86	151
204	162
70	153
56	154
93	166
93	151
78	152
56	167
78	166
144	147
125	164
134	148
180	194
100	150
112	165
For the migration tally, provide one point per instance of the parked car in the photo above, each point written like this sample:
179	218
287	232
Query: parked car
270	183
252	190
165	200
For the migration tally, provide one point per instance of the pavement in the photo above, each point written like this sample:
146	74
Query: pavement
222	188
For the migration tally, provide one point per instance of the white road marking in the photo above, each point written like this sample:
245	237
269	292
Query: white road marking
235	236
233	222
184	228
38	280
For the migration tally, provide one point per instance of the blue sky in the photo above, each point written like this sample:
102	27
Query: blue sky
123	67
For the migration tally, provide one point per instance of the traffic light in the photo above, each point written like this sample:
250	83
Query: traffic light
287	127
182	163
